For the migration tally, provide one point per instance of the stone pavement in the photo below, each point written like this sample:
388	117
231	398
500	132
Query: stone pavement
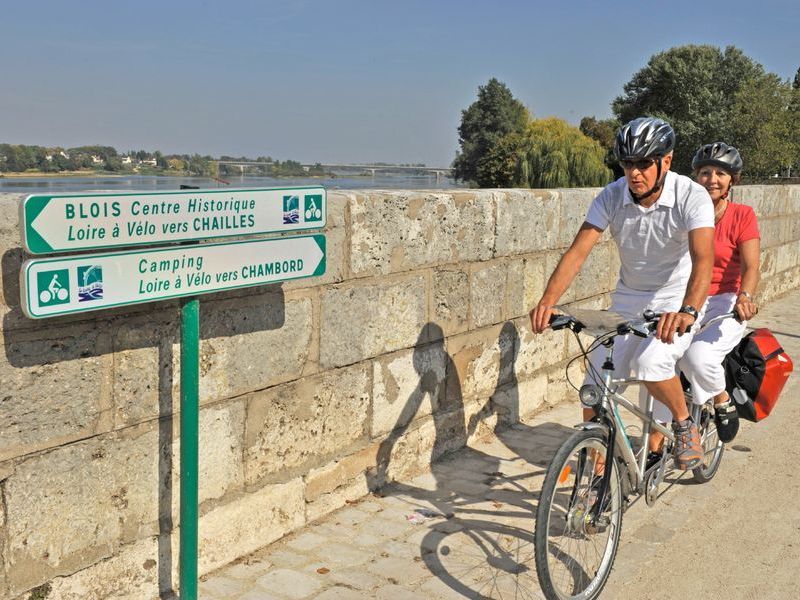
462	530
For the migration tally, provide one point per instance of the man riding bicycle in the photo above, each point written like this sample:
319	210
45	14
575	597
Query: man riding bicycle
663	225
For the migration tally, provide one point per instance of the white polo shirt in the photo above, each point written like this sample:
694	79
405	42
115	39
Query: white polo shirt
653	242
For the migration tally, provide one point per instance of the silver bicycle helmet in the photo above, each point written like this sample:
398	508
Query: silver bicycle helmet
718	154
645	137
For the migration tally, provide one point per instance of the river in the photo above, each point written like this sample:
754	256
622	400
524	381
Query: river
38	185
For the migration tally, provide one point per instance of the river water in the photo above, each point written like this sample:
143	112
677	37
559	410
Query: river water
52	185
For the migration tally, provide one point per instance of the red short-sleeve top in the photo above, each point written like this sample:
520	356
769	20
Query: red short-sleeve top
737	225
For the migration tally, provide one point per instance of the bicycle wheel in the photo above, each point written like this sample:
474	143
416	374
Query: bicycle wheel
713	448
574	556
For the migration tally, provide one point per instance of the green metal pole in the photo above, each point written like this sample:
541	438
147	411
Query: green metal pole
190	383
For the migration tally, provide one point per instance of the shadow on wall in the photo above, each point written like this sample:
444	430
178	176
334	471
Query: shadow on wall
438	381
43	343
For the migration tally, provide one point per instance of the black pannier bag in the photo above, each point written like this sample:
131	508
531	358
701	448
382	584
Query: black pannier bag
755	372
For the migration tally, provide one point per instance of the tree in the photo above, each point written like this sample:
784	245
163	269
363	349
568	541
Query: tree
762	126
691	87
603	132
494	115
554	154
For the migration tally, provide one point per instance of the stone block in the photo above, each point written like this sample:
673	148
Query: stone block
771	232
527	221
362	321
337	498
393	232
487	294
450	299
537	352
483	360
516	304
534	279
146	369
249	523
406	386
574	204
250	344
136	572
55	387
73	506
340	472
296	426
595	274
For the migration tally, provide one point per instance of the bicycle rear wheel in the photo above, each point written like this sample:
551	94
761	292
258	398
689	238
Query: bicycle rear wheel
573	555
713	447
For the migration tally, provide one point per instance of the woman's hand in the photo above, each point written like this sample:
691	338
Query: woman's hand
745	307
540	316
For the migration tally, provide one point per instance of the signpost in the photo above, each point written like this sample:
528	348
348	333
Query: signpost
85	222
75	284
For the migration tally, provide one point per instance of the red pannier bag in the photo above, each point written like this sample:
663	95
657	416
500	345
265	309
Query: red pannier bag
755	372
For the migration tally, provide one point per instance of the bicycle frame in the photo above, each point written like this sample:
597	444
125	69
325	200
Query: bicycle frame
636	468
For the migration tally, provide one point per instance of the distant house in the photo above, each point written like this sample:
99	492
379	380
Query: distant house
150	161
96	160
126	160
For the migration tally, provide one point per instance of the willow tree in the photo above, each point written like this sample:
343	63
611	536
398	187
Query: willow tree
554	154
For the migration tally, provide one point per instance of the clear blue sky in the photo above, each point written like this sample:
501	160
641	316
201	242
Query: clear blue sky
344	80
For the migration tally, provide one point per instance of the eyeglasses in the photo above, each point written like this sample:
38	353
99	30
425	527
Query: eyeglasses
641	164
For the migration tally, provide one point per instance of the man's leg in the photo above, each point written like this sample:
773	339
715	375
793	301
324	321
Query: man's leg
654	364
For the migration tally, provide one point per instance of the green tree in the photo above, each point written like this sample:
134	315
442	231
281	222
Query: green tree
691	87
603	131
762	126
494	115
554	154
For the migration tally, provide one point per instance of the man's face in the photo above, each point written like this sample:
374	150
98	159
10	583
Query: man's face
642	174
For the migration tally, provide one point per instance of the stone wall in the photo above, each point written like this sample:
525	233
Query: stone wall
312	392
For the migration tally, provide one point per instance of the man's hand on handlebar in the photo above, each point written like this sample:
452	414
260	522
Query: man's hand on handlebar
673	322
540	316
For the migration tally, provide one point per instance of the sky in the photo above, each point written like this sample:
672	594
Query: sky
344	81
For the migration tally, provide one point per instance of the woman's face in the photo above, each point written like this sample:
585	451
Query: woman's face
716	180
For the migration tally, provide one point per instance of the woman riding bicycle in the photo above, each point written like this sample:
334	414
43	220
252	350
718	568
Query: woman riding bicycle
717	167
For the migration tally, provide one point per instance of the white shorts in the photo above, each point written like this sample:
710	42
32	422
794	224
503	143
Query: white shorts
648	359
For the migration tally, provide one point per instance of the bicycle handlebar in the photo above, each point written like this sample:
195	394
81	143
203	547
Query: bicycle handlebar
641	328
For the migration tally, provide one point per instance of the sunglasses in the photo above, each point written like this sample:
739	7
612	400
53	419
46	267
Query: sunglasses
642	164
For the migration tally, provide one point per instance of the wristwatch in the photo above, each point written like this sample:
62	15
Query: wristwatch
746	295
689	310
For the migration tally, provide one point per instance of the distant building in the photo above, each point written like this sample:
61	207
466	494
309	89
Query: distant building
126	160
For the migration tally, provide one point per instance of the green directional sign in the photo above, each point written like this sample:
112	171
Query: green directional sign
60	286
67	223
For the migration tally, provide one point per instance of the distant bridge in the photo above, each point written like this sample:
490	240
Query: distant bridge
372	169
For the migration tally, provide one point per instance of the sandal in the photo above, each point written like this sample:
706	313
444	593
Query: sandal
727	420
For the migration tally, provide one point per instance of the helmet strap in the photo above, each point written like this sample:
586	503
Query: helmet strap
657	186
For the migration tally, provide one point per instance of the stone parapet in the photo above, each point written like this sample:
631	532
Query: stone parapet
314	392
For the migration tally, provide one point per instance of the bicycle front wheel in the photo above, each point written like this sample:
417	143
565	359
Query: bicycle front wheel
574	552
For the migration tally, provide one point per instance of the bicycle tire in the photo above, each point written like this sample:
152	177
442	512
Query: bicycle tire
561	576
713	448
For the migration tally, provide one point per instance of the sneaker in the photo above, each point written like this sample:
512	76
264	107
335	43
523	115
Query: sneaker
727	420
688	451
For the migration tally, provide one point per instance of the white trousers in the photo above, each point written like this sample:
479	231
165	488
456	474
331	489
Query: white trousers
702	362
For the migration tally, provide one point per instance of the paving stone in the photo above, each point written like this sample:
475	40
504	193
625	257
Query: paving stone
222	587
306	541
395	592
282	557
340	593
400	570
259	595
289	583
